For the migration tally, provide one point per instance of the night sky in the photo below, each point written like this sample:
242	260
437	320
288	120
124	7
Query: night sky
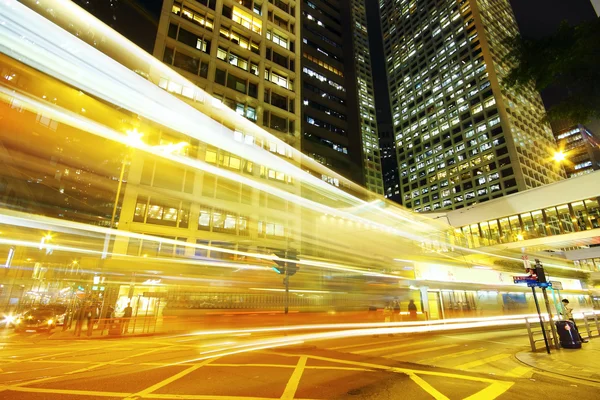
539	18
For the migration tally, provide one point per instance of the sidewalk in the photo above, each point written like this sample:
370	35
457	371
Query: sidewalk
581	363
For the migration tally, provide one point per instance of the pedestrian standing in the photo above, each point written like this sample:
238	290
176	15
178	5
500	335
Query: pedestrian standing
89	314
387	313
412	310
79	315
569	314
127	313
396	311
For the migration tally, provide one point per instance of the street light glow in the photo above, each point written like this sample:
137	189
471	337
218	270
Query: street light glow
559	156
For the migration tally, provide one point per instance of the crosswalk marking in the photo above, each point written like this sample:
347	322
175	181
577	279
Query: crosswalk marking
413	344
519	371
425	350
452	355
483	361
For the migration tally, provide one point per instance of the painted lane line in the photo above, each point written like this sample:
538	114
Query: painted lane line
204	397
386	348
492	391
116	362
367	344
427	387
64	391
519	371
451	355
483	361
171	379
426	350
292	385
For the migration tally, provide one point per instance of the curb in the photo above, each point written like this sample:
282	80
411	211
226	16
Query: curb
518	356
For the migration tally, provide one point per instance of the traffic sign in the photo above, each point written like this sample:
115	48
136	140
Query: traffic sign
556	285
539	284
524	279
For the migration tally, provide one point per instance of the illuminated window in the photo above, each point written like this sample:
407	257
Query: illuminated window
246	20
210	157
277	39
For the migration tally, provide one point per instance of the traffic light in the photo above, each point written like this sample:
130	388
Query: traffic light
280	267
539	272
283	267
292	268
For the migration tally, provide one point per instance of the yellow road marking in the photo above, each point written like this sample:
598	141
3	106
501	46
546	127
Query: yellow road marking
172	378
367	344
402	370
519	371
292	385
253	365
64	391
203	397
451	355
407	353
483	361
492	391
427	387
389	347
115	362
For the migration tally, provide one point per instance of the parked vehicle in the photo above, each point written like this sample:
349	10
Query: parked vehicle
37	320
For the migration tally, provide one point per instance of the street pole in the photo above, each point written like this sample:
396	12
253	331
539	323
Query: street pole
537	306
552	326
286	281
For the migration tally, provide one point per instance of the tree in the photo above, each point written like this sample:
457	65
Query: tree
569	59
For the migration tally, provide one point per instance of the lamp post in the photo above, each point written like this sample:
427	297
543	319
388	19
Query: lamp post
559	156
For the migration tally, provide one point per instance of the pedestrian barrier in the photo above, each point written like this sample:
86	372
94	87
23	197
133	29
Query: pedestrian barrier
590	323
534	331
115	326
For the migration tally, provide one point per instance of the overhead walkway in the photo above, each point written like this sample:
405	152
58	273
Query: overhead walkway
563	218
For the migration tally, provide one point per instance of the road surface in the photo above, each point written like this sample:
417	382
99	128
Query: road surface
473	365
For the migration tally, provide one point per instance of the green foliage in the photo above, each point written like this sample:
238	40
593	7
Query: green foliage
569	59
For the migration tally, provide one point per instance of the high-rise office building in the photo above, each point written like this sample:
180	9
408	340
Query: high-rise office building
461	137
580	148
339	123
317	96
244	54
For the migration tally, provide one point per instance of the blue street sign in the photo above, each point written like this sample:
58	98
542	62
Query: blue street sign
524	279
540	285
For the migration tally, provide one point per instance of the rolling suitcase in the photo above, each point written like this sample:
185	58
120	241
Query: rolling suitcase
568	335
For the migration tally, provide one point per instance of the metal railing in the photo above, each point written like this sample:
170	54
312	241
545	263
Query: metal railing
534	331
588	325
114	326
591	324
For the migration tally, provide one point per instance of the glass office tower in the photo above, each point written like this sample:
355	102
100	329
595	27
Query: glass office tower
461	137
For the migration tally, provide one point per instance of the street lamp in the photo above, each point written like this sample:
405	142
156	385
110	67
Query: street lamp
559	156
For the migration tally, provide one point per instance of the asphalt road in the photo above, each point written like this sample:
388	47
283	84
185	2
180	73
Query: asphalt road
441	366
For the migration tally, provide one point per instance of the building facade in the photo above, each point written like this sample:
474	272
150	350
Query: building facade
295	69
581	149
461	138
245	54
